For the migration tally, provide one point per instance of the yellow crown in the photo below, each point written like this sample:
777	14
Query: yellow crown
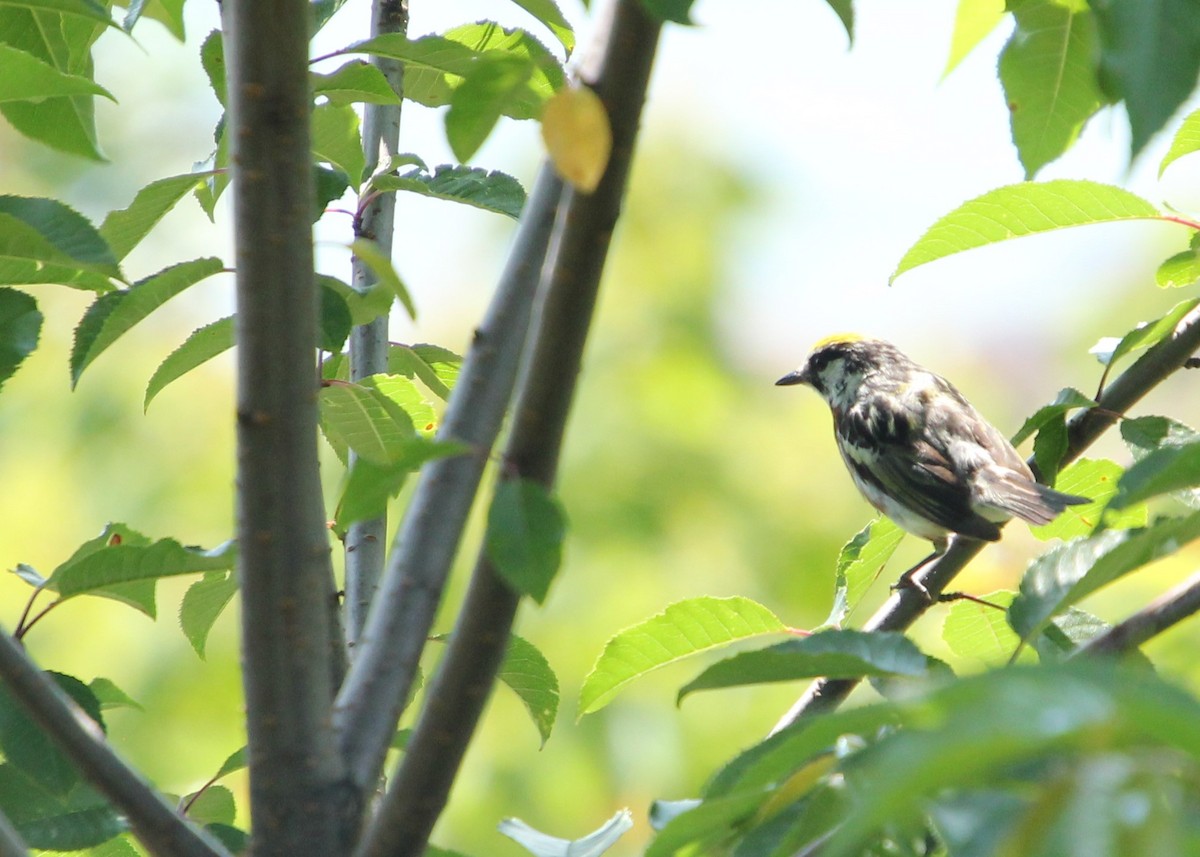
838	337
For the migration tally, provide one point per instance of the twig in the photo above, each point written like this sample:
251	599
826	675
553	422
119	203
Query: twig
903	608
155	823
457	696
398	624
298	793
1164	612
365	541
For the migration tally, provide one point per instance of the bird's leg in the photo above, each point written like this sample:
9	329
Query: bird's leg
908	579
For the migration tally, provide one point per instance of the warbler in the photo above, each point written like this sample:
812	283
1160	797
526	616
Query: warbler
916	448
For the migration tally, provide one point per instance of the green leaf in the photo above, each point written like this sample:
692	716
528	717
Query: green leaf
79	819
480	100
974	630
1050	423
543	845
974	20
1098	479
491	191
1149	58
1068	399
1047	69
1182	269
364	306
201	346
381	266
335	320
106	561
527	672
212	59
675	11
844	9
834	653
1069	572
214	805
1147	333
525	531
1170	468
356	81
865	556
434	366
114	314
369	485
1185	141
331	185
83	8
548	13
369	421
322	11
20	328
237	760
336	139
108	695
1143	435
45	231
434	66
27	747
1023	209
684	628
28	78
203	603
124	229
218	168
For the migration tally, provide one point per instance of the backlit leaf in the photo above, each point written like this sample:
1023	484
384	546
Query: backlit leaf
525	531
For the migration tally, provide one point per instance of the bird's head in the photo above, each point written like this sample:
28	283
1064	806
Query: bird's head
837	365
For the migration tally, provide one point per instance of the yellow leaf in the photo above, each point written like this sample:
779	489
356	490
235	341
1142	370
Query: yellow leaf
577	135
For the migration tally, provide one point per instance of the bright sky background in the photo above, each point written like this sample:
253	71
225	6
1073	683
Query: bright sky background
863	147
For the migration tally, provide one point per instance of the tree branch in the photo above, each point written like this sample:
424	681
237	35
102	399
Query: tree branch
905	605
1166	611
464	680
155	823
297	785
365	542
398	624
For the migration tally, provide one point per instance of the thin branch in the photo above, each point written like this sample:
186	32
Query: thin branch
1164	612
365	542
298	793
164	832
398	624
460	689
905	605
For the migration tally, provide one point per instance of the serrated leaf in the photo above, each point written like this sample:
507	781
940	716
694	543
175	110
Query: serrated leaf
201	346
77	820
125	228
491	191
684	628
434	66
381	266
578	136
974	20
335	320
1164	471
1149	58
863	557
973	630
368	419
551	16
27	747
108	695
1069	572
212	60
20	329
331	185
369	486
1050	423
114	314
45	231
218	167
543	845
525	531
28	78
103	565
1181	270
495	80
203	603
1023	209
336	140
1068	399
364	306
237	760
1146	334
214	805
434	366
1144	435
1185	141
1097	479
355	82
83	8
527	672
836	653
1047	69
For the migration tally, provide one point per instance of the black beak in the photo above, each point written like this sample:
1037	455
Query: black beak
791	378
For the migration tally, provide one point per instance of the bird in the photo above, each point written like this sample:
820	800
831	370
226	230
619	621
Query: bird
917	450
